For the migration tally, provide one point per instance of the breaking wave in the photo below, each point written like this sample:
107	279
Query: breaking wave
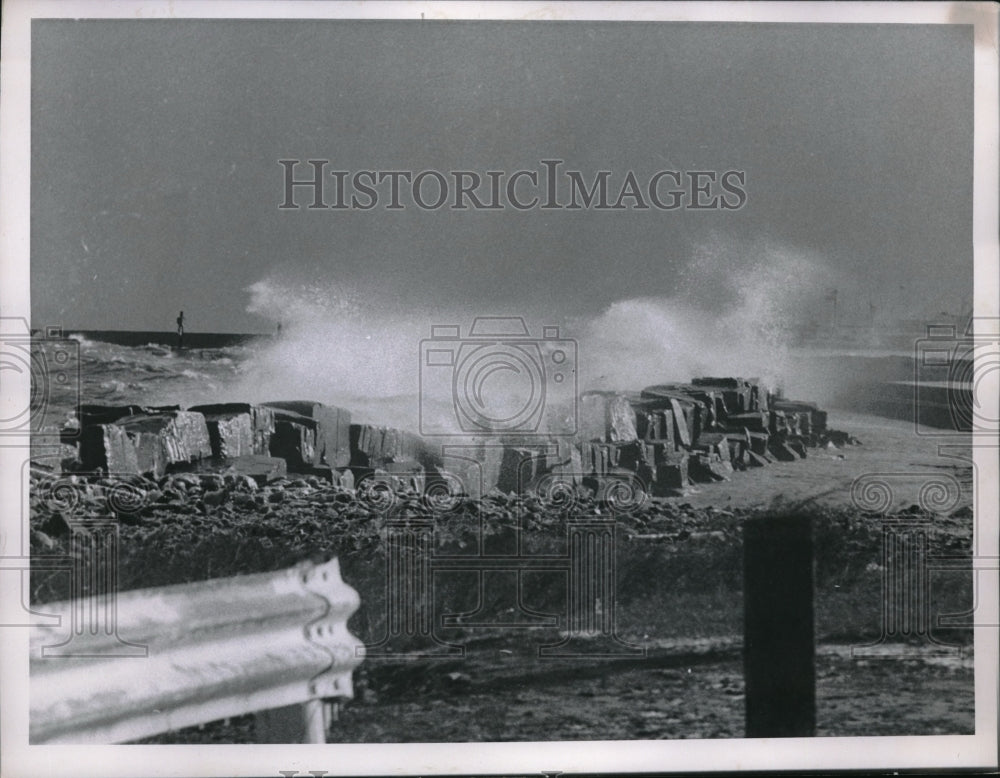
735	311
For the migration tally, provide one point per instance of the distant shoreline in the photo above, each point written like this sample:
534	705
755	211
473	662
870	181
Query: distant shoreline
167	338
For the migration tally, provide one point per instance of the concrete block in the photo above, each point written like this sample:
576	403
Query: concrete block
91	414
759	442
168	439
781	451
655	425
755	421
607	417
262	469
108	447
376	446
520	468
598	458
706	467
718	444
739	449
711	403
146	443
727	383
475	466
294	440
261	422
797	444
784	423
634	456
571	466
621	421
738	393
406	475
812	419
758	395
671	475
231	436
333	429
686	411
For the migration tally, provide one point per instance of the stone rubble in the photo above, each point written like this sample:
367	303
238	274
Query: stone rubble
658	441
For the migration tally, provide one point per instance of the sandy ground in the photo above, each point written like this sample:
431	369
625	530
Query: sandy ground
891	451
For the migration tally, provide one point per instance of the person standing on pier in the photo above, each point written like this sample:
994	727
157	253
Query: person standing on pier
180	330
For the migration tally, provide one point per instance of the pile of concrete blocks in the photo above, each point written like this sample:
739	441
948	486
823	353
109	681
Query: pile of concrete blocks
645	436
670	435
265	441
665	437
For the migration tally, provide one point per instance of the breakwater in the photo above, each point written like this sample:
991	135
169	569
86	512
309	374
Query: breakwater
656	442
135	338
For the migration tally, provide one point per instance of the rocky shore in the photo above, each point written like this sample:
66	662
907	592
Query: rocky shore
676	561
262	487
656	442
193	495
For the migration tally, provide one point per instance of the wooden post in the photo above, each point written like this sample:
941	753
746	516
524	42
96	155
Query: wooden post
778	640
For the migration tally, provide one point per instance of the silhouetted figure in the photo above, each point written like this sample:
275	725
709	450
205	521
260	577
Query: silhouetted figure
180	330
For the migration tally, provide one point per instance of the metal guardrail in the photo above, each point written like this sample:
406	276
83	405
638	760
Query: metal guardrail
178	656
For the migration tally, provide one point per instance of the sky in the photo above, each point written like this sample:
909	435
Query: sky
156	181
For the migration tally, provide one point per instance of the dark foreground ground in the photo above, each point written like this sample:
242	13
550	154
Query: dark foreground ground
681	700
685	697
678	595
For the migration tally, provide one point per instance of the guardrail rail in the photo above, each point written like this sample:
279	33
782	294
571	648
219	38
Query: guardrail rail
144	662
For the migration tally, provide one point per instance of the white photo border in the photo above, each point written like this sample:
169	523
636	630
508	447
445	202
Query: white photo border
20	759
